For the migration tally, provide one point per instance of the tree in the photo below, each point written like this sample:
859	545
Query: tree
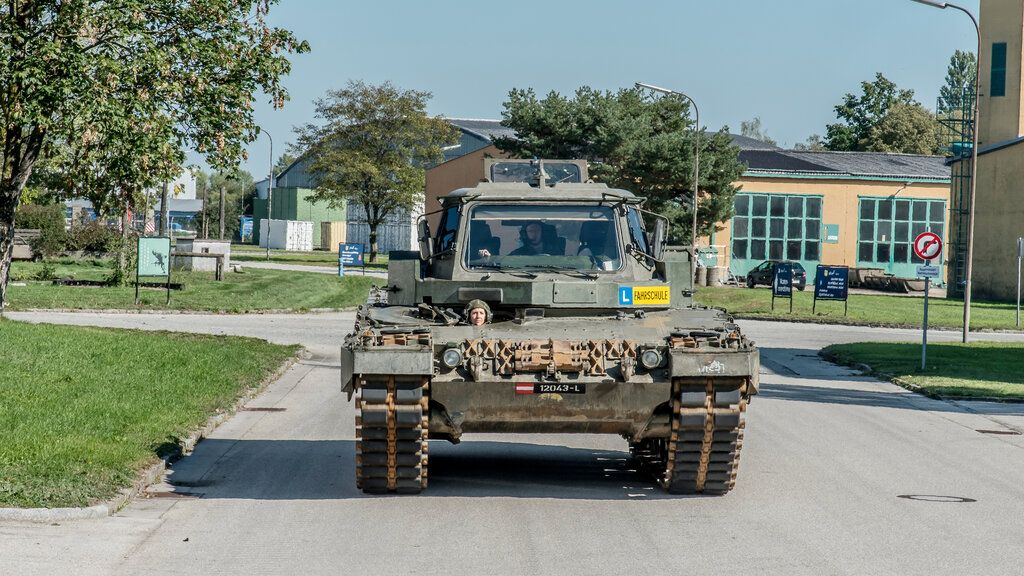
634	141
283	161
238	190
752	129
110	92
813	144
960	77
861	113
909	129
373	150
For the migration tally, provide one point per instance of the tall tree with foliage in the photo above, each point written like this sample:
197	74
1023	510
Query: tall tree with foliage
373	150
110	92
635	141
906	129
239	189
752	129
813	144
860	113
960	77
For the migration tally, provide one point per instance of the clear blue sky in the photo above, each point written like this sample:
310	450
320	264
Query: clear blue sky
788	62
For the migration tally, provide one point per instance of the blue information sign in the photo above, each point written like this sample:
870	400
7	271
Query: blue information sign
782	281
349	255
831	283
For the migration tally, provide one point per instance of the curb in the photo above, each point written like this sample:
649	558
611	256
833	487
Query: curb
152	474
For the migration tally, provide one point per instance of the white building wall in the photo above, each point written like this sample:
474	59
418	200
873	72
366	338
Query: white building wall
398	233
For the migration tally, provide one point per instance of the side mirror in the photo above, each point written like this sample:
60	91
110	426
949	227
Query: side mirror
658	239
425	241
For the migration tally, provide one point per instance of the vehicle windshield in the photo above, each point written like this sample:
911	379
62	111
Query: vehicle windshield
542	238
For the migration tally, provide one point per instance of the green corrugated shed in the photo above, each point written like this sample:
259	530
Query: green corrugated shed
294	204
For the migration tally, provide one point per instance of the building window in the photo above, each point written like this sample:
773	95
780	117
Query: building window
997	87
776	227
888	225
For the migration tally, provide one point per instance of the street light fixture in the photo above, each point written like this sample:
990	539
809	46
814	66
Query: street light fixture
696	161
974	164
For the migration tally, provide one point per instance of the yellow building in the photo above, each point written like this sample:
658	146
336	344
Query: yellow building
856	209
999	202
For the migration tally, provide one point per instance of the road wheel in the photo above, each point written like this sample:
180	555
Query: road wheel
750	282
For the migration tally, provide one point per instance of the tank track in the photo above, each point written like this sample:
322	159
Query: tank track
701	456
391	434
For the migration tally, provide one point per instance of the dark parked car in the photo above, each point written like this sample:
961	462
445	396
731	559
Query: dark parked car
764	273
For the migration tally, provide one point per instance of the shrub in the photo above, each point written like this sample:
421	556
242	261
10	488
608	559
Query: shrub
49	220
94	237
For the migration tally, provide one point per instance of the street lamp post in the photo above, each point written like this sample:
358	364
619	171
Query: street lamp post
270	190
974	164
696	161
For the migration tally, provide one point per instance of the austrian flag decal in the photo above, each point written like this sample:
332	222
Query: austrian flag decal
524	388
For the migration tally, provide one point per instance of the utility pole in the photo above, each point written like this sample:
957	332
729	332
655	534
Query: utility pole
206	227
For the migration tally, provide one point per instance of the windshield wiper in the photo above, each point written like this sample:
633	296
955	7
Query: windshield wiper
554	268
502	268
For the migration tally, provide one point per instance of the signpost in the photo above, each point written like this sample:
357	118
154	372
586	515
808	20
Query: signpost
831	283
352	255
782	284
927	246
154	262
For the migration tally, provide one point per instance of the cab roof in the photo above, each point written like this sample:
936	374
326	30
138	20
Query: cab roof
588	192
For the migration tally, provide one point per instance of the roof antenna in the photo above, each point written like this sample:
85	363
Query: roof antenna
540	177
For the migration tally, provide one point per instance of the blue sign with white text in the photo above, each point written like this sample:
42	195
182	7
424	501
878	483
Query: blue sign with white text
350	254
830	283
782	282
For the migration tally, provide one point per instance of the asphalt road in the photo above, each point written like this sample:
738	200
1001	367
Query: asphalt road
840	474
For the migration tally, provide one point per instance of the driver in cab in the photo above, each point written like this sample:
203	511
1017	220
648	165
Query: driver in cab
532	236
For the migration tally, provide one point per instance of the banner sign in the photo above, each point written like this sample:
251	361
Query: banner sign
246	231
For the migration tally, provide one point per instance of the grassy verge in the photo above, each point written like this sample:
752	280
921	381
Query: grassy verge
251	290
952	369
863	309
314	258
84	409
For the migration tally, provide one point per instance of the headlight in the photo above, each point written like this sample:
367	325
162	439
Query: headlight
650	359
451	357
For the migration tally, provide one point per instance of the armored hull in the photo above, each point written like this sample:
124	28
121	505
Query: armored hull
614	348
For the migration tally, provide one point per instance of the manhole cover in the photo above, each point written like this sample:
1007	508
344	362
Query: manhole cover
934	498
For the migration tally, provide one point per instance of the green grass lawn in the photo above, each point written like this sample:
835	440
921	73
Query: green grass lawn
252	290
863	309
952	368
314	258
83	410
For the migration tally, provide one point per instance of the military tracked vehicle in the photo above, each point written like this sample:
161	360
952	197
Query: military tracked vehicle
592	329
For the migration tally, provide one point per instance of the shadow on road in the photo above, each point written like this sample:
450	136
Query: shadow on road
325	470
